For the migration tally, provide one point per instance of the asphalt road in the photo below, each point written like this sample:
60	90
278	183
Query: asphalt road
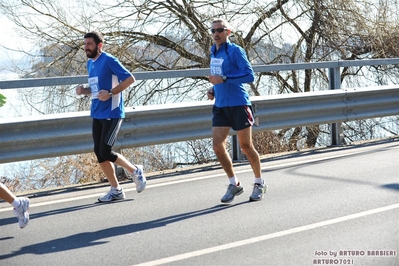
332	206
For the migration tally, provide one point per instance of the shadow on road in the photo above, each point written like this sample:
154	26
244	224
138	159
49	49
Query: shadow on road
393	186
13	220
82	240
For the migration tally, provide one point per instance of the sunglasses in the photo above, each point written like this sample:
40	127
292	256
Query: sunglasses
220	30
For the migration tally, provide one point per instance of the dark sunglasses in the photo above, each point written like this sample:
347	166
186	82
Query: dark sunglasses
220	30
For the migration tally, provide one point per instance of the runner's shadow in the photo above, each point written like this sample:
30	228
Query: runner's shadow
393	186
88	239
13	220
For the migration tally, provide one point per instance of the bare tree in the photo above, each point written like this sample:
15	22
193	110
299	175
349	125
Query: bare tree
149	35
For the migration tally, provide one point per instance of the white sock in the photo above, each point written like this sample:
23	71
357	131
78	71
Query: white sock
16	203
258	180
233	180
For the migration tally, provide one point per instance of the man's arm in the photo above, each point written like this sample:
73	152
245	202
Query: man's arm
104	95
123	85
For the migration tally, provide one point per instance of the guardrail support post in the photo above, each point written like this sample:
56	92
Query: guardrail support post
120	172
334	83
237	154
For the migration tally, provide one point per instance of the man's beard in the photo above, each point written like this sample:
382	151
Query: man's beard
92	53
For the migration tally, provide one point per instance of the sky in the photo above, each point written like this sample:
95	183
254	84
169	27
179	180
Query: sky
8	59
9	40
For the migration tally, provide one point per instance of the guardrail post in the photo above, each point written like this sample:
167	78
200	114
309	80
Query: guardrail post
334	83
237	154
120	172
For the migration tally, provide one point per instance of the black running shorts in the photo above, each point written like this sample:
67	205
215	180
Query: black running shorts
236	117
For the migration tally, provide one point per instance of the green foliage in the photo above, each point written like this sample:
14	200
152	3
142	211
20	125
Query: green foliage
2	100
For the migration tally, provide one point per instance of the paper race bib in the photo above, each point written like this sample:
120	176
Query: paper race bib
94	88
216	66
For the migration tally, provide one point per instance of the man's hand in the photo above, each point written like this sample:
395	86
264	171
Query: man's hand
210	93
80	90
215	79
103	95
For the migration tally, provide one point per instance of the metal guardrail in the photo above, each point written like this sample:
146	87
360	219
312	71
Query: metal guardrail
66	134
56	81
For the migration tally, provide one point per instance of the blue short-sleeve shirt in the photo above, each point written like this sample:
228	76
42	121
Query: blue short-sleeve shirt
105	73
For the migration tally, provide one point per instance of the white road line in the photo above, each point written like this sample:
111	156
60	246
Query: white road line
236	244
187	180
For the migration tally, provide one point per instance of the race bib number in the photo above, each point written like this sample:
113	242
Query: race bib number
94	88
216	66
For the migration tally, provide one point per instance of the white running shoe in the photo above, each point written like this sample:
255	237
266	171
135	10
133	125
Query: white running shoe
22	212
139	178
257	192
113	194
231	192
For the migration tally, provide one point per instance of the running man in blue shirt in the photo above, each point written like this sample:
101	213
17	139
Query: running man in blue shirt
230	70
108	78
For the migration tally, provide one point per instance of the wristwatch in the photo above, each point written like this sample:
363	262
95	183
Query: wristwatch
224	78
110	94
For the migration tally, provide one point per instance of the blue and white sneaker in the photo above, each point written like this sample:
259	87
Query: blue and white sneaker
113	194
139	178
232	191
257	192
22	212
